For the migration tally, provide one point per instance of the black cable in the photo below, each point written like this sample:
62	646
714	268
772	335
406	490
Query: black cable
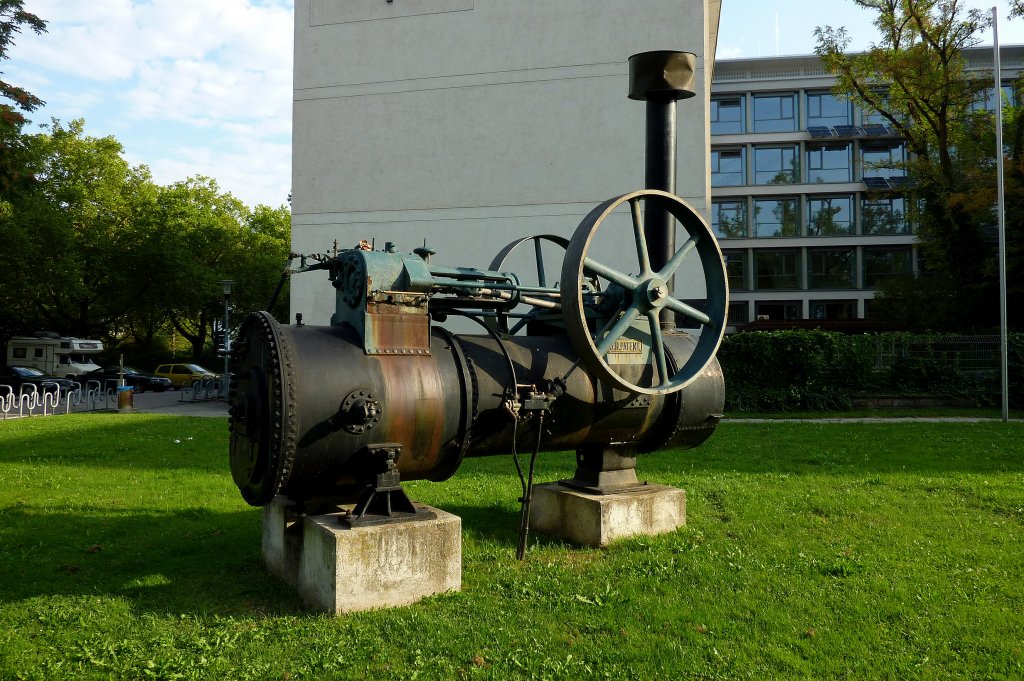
525	484
524	514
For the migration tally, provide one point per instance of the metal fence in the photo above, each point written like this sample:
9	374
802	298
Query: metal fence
973	355
31	400
203	391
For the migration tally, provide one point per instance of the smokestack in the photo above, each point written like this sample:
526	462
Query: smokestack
661	78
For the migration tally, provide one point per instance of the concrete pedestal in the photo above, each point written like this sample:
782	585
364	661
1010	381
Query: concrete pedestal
340	569
599	519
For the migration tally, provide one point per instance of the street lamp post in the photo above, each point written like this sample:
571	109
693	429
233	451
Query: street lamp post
226	284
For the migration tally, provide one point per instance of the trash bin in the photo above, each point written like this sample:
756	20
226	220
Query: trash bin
125	398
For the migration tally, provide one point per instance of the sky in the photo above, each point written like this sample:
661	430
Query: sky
204	87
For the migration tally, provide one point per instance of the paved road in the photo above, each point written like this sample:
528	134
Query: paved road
169	402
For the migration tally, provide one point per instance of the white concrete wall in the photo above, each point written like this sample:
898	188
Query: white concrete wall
472	122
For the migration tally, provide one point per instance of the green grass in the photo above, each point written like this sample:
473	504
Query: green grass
891	412
813	550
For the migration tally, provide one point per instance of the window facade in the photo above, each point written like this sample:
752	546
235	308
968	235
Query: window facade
885	263
832	310
776	165
737	314
831	268
884	215
776	217
736	269
728	115
777	270
828	163
880	159
727	168
830	215
777	309
824	109
729	218
775	113
20	353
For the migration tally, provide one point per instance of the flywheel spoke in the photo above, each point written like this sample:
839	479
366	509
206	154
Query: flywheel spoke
688	311
677	259
624	280
641	239
616	332
658	347
541	278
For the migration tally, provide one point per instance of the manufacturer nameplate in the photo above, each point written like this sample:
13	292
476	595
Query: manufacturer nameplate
625	346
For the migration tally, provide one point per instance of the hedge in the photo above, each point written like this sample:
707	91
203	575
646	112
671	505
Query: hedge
772	371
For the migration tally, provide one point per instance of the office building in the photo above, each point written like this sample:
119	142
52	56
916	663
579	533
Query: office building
809	221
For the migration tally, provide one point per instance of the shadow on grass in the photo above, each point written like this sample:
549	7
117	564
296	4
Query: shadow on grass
191	561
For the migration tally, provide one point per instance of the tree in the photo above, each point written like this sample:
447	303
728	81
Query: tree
12	18
915	77
206	236
13	173
83	223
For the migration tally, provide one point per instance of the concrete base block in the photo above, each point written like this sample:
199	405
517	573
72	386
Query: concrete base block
599	519
340	569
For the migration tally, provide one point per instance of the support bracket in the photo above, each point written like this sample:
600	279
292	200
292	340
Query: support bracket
384	500
604	470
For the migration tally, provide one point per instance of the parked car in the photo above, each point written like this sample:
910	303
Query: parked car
182	375
18	376
141	381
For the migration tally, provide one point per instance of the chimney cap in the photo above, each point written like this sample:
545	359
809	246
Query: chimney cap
662	74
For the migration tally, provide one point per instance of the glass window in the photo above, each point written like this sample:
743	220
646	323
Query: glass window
775	113
776	217
38	353
727	115
829	215
776	165
727	168
777	310
823	108
884	215
737	314
19	353
880	159
833	310
777	269
831	268
736	268
885	263
985	100
828	163
729	218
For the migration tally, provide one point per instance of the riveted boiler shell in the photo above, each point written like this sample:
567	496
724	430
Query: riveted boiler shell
289	387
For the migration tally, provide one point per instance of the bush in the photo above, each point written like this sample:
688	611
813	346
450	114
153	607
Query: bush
819	370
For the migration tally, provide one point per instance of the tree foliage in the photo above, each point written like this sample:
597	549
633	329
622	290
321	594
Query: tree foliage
98	249
13	18
95	248
14	172
916	78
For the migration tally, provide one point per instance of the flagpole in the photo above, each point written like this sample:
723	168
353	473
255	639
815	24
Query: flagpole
1003	345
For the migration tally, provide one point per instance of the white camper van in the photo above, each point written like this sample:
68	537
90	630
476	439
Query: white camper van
54	354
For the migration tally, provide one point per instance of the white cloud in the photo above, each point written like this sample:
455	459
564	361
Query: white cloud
221	69
256	172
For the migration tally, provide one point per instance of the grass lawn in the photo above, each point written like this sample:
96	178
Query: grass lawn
813	550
